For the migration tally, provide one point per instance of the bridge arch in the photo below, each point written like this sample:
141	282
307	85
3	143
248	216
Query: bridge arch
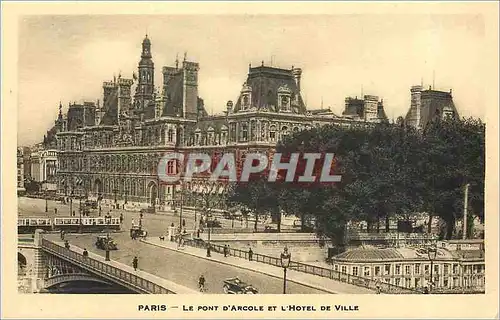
59	279
22	262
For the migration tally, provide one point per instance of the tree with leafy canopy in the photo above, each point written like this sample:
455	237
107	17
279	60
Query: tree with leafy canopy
455	157
386	169
256	196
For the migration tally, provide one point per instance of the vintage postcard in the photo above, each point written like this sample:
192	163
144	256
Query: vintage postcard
325	160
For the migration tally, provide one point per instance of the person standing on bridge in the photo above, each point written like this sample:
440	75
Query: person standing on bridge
250	254
85	252
135	263
62	235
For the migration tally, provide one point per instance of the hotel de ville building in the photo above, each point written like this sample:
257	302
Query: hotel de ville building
111	148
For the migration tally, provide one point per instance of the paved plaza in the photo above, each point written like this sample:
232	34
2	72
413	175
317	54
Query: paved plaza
162	259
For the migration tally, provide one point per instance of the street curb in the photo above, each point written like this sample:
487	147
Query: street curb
241	267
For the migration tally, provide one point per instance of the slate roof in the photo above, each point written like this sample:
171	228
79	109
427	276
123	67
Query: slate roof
174	94
110	117
370	254
265	82
433	103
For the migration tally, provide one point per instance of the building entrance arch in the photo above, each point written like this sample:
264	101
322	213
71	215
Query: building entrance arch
98	186
152	193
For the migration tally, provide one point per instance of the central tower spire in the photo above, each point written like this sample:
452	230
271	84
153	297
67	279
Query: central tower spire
145	86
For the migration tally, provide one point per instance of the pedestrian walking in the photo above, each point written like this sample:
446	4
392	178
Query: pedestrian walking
198	233
225	250
55	210
208	250
135	263
62	235
250	254
121	218
74	213
183	223
66	244
85	252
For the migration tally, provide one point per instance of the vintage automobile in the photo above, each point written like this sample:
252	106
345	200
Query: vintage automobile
138	232
106	243
236	286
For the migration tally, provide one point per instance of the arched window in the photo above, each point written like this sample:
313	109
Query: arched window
244	132
162	136
170	137
170	167
272	133
284	131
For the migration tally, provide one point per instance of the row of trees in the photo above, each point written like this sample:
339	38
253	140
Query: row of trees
386	170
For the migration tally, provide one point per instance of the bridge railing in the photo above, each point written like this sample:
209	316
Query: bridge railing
380	286
105	269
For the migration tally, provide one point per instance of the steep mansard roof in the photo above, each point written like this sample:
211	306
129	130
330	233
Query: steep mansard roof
265	82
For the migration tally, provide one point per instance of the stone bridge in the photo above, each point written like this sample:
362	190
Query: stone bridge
50	264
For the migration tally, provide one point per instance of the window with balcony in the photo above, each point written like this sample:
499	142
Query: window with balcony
427	269
354	271
387	269
398	269
367	271
407	269
417	269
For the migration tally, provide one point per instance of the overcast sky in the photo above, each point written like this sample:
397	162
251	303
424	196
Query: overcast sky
68	57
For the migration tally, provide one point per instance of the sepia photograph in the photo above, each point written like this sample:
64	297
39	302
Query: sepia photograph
257	154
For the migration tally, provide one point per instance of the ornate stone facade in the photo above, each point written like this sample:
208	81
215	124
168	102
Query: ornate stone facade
115	148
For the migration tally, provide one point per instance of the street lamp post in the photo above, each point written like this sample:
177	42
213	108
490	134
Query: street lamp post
71	203
181	205
46	199
432	252
108	221
80	211
285	263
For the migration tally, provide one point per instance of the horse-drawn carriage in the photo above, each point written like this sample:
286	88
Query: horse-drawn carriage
106	243
138	232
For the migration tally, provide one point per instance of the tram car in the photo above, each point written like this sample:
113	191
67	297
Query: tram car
87	224
29	225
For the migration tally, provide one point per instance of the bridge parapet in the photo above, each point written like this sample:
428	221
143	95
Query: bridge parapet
112	273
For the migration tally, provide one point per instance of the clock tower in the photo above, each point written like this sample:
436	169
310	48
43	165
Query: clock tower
144	94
